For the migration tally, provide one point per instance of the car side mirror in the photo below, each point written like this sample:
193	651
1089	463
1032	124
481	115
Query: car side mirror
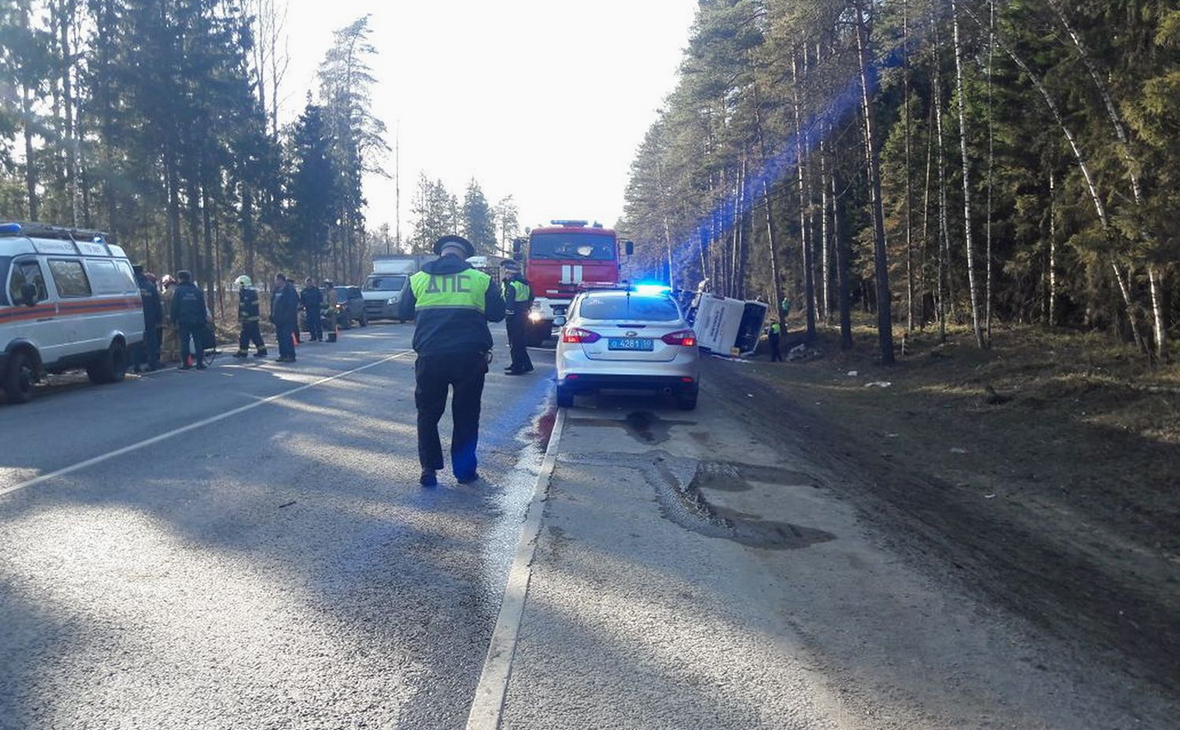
559	320
629	247
28	293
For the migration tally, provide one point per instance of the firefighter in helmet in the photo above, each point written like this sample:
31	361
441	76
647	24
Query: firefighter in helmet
248	317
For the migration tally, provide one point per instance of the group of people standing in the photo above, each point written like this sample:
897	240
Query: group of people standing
319	308
178	324
175	321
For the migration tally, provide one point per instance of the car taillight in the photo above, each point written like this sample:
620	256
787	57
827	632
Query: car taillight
577	334
684	338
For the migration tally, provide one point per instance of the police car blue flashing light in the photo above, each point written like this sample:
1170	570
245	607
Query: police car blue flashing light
652	289
10	228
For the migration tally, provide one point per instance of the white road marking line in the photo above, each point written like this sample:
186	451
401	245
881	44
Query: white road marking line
192	426
488	705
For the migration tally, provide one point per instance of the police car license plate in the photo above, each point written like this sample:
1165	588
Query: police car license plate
629	343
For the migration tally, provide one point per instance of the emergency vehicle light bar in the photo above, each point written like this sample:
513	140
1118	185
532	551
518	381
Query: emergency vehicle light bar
569	224
41	230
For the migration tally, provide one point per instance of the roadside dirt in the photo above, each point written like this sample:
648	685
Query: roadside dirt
1044	473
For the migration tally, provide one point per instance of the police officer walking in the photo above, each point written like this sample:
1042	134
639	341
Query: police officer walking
518	300
248	317
190	315
284	314
153	317
312	300
452	304
773	335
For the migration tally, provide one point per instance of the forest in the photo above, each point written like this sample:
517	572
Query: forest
934	163
161	123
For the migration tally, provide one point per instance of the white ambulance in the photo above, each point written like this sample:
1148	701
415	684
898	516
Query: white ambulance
68	300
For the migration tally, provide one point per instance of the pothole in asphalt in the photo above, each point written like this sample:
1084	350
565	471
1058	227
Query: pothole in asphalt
693	511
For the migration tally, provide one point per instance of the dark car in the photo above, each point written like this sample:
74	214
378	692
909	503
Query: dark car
351	305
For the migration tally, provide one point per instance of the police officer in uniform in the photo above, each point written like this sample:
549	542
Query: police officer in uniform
153	316
284	315
248	317
312	300
773	336
451	304
518	300
190	315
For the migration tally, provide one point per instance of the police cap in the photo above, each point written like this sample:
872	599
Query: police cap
453	240
510	265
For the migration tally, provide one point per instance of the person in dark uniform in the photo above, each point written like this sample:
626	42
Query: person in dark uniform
148	356
451	304
312	300
284	314
518	300
773	336
248	317
190	315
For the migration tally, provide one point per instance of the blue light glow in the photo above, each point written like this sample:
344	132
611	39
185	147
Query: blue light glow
652	289
10	228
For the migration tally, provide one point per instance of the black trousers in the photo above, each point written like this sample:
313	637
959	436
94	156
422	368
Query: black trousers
285	333
315	328
776	354
149	354
434	376
250	335
517	326
194	333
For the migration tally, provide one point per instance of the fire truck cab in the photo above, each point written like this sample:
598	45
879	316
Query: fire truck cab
559	261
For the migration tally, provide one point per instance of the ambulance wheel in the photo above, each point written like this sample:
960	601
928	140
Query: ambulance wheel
565	397
20	378
111	367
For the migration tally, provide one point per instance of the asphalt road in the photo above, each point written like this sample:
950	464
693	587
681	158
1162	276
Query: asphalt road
274	565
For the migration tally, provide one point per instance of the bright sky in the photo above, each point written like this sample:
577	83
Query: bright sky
546	100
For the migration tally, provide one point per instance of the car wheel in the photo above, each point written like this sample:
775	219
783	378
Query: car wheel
111	367
20	378
686	402
565	397
535	337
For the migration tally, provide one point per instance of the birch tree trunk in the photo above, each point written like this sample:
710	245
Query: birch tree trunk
1124	145
943	227
1084	168
961	93
909	191
880	251
808	275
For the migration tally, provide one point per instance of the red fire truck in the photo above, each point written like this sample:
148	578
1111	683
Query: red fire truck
561	259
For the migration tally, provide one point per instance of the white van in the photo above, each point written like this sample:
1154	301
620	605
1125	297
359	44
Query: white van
69	300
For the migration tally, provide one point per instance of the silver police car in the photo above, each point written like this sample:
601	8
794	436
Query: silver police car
630	338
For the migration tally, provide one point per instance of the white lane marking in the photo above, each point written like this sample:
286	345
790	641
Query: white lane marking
488	705
192	426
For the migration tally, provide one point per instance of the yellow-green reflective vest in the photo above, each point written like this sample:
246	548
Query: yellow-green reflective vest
775	328
520	291
466	289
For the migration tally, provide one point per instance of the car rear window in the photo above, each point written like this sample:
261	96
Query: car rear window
633	308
